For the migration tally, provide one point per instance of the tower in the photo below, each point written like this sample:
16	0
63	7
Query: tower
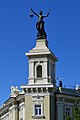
39	98
41	64
39	92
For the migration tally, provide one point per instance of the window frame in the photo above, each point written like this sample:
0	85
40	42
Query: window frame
34	109
38	110
67	111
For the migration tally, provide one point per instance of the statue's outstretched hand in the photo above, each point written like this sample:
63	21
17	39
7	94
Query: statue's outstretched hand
48	12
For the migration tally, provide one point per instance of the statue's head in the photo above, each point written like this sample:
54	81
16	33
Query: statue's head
41	12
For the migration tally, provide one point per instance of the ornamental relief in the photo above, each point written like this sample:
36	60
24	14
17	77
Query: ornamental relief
38	98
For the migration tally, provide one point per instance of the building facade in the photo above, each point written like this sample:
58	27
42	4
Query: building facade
40	98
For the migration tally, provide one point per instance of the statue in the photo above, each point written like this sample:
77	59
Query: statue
14	91
40	24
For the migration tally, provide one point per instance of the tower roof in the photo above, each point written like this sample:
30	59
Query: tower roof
41	49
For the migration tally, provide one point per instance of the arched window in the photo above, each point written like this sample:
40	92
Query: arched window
39	71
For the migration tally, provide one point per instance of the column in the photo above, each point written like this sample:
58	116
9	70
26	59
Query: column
31	72
16	113
60	111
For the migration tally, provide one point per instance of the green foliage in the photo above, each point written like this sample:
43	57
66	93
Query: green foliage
68	118
76	113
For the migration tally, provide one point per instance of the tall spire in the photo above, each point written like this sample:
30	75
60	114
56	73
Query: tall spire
40	24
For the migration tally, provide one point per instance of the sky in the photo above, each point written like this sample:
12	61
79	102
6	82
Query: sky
18	35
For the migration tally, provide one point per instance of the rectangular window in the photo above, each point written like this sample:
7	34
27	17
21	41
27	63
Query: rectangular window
67	111
37	110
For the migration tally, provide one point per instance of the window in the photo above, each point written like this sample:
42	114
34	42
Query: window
39	71
37	110
67	111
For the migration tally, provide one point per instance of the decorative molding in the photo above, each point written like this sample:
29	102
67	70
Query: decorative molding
38	98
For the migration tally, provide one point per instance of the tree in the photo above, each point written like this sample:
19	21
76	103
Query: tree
76	113
68	118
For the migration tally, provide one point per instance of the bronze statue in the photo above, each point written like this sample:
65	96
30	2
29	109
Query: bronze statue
40	24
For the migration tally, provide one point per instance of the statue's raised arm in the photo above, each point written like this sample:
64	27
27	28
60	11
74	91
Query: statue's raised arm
47	14
34	12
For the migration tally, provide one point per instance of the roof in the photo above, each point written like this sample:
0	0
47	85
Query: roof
68	91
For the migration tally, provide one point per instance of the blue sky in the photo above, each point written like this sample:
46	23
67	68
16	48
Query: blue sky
18	35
